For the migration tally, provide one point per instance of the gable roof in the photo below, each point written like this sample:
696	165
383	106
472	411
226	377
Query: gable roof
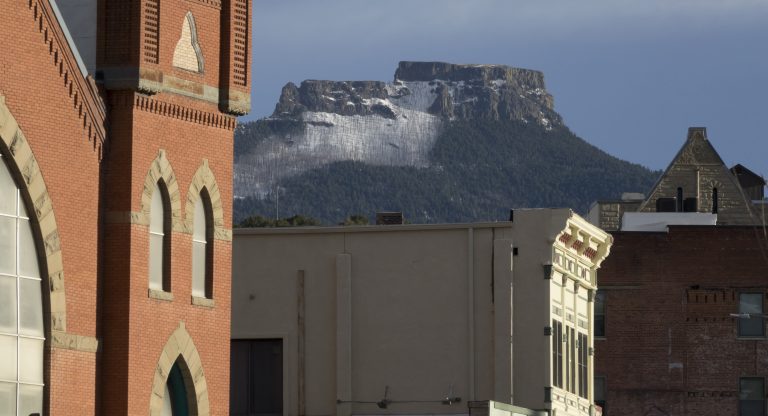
745	175
697	151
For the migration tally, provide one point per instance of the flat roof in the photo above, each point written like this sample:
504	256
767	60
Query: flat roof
368	228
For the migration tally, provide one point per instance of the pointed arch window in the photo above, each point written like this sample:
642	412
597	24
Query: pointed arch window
202	247
176	398
160	239
21	308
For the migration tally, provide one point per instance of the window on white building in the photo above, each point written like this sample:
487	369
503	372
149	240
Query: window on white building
571	361
202	248
557	353
754	326
21	307
159	239
583	368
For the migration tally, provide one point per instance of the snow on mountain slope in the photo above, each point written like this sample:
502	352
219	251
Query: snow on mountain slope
378	123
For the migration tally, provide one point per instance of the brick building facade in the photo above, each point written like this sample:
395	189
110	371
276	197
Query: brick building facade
121	167
670	344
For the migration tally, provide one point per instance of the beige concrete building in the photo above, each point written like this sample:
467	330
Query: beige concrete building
416	319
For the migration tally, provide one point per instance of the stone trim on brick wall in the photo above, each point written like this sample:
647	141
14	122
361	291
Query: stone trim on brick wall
161	169
19	151
204	179
74	342
180	346
160	295
204	302
188	55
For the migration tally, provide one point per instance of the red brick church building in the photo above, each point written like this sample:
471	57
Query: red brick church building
116	127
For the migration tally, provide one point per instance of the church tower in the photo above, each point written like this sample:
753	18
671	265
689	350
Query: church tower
174	74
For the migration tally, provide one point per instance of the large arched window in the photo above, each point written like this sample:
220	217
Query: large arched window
21	306
160	239
202	247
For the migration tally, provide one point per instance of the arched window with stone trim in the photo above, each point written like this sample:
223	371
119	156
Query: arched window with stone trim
176	400
160	239
202	247
22	334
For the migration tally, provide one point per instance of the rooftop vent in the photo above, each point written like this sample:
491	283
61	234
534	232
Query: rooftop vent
632	196
666	205
389	218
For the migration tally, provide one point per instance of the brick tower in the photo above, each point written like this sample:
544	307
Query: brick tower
174	73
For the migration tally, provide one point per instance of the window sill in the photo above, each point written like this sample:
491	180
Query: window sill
204	302
160	295
755	338
603	338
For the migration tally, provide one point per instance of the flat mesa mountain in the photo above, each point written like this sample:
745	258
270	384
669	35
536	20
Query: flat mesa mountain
441	143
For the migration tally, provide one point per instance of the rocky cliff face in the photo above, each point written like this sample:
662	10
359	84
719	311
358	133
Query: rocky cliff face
446	90
393	124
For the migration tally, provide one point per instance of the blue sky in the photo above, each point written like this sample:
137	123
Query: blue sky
628	76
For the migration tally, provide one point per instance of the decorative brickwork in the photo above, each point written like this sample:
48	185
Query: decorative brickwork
86	102
97	187
151	31
210	3
158	106
240	29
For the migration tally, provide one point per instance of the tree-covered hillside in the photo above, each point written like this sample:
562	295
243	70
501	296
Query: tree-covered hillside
479	170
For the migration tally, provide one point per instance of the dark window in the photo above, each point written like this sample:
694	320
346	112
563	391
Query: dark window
177	390
599	318
160	226
583	373
714	200
572	359
202	247
600	392
256	375
754	325
679	199
752	396
557	353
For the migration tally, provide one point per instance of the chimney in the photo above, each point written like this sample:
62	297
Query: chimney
697	133
389	218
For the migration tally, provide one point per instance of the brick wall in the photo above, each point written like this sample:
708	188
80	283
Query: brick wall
142	325
671	346
95	174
